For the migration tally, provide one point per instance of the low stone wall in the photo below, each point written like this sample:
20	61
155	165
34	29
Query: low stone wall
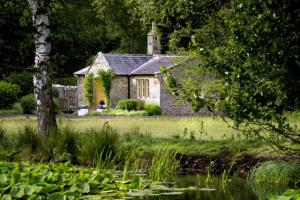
67	97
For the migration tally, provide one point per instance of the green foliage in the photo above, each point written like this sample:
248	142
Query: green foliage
152	109
98	145
24	79
88	89
277	172
9	94
128	104
65	81
238	73
59	181
28	104
164	165
106	76
291	194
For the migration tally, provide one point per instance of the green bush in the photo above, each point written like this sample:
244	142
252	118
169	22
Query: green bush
65	81
28	104
9	94
140	105
128	104
152	109
24	79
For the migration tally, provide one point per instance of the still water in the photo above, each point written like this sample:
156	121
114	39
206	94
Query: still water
202	188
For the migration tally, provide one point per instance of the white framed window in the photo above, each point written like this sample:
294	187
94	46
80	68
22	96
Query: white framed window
142	88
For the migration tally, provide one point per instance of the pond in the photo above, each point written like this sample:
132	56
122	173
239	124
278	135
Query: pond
202	188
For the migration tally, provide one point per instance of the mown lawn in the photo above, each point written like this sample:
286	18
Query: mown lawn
162	127
187	135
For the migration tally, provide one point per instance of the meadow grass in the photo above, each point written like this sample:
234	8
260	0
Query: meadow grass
185	135
162	127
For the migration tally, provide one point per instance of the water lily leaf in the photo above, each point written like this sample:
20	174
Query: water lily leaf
57	196
172	193
17	192
6	197
71	195
4	190
85	188
139	193
3	179
207	189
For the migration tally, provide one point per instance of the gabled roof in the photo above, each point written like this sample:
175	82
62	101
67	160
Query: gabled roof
124	64
82	71
153	66
131	64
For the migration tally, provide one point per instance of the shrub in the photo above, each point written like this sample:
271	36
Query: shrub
23	79
140	105
88	89
152	109
65	81
17	108
28	104
128	104
9	94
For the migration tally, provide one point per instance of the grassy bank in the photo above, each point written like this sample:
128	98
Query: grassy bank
195	135
162	127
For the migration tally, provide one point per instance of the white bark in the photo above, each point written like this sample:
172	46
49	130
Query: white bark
42	75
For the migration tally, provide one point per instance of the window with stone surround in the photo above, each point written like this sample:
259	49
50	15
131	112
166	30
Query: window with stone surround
142	88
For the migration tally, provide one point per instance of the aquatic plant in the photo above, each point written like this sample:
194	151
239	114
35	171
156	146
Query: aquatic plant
58	181
277	172
164	165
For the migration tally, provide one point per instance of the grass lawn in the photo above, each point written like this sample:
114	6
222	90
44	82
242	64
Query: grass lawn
163	127
190	135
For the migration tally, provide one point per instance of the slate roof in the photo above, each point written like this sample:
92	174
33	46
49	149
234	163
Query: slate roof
153	66
123	64
82	71
135	64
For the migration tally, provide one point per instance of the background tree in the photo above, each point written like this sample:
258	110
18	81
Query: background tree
42	68
250	52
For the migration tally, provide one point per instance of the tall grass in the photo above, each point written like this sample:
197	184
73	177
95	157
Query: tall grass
164	165
96	145
277	172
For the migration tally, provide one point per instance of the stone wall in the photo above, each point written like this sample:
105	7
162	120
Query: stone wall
67	97
154	89
119	90
80	91
169	103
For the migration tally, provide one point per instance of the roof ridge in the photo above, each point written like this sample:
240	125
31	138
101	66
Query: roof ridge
155	58
132	55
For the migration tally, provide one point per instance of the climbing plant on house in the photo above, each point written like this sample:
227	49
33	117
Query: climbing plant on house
105	76
88	89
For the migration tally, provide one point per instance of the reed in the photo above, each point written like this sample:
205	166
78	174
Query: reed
164	165
277	172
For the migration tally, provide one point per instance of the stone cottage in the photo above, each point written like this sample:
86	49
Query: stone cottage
135	77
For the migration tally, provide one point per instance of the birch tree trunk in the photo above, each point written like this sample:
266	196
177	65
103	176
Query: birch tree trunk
42	75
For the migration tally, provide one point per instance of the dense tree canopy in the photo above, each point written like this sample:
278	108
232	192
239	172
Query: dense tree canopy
250	52
81	28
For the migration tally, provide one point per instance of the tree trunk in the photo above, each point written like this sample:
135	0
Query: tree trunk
42	76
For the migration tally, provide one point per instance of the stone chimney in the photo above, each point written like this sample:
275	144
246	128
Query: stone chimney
153	41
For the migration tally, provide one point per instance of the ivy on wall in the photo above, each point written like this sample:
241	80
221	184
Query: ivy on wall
105	76
88	89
